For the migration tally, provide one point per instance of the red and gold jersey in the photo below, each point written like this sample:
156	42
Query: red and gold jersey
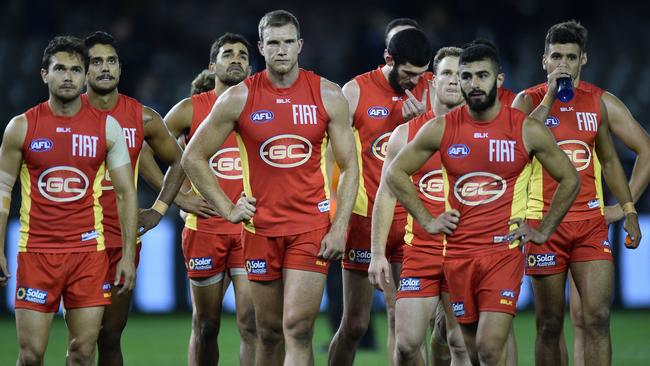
282	138
430	187
506	96
226	166
60	177
128	113
486	170
574	125
378	112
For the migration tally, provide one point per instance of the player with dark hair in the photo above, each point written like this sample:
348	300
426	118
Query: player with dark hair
203	82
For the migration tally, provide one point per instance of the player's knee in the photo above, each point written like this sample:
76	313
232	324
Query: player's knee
597	319
29	356
440	332
208	327
456	342
269	336
81	352
299	331
549	327
109	338
577	317
406	348
246	324
354	327
489	352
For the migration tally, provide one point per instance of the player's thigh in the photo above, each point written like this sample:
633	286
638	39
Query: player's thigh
548	292
243	299
357	293
303	291
33	329
267	299
207	295
117	313
412	316
594	281
84	323
493	328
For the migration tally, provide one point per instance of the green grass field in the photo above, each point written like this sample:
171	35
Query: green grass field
162	340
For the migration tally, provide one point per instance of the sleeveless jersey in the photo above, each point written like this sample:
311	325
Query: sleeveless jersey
378	112
282	138
226	166
574	125
429	185
128	112
486	169
506	96
60	177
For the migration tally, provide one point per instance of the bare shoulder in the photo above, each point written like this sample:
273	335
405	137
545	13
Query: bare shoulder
149	114
16	128
522	102
233	100
332	96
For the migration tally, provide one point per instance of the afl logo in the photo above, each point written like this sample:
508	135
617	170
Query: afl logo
458	151
578	152
378	112
41	145
552	121
286	151
479	188
226	164
262	116
63	184
432	186
380	146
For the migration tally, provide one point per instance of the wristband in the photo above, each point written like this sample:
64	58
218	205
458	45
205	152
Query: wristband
628	208
160	207
5	204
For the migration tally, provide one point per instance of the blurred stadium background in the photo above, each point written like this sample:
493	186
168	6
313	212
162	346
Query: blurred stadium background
165	43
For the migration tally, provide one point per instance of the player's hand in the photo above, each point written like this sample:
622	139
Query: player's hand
243	210
125	270
192	203
379	271
559	72
445	223
147	220
412	107
4	272
333	245
613	213
524	233
633	231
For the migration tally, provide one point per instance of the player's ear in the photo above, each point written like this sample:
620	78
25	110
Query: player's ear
389	59
501	77
300	43
544	61
260	47
583	59
44	75
211	66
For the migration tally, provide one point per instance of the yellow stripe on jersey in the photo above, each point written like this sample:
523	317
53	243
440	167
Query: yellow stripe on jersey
520	198
445	190
136	168
25	207
323	166
97	207
599	182
243	154
408	230
535	208
361	202
191	220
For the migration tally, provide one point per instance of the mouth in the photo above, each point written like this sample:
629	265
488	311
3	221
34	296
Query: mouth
235	69
105	77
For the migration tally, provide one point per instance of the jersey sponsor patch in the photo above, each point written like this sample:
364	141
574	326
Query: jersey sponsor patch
256	266
32	295
200	264
41	145
595	203
378	112
359	256
262	116
458	151
541	260
89	235
409	284
458	308
324	206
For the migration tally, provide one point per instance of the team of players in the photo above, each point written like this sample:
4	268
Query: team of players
256	150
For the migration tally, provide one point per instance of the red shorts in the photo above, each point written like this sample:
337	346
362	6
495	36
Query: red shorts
422	274
357	248
209	254
80	278
114	255
573	241
484	283
266	256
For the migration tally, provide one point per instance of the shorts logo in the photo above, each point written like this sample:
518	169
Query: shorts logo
262	116
226	164
409	284
607	244
359	256
256	266
578	152
595	203
378	112
41	145
324	206
380	146
89	235
479	188
508	293
458	308
286	151
62	184
200	264
458	151
32	295
432	186
505	302
541	260
552	121
106	286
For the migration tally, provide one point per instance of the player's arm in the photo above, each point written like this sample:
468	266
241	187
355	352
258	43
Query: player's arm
624	126
204	144
343	144
383	212
119	168
616	181
408	161
524	103
11	157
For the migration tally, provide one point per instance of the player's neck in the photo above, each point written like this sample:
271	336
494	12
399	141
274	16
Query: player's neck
385	70
66	109
283	81
103	102
440	108
220	87
488	114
